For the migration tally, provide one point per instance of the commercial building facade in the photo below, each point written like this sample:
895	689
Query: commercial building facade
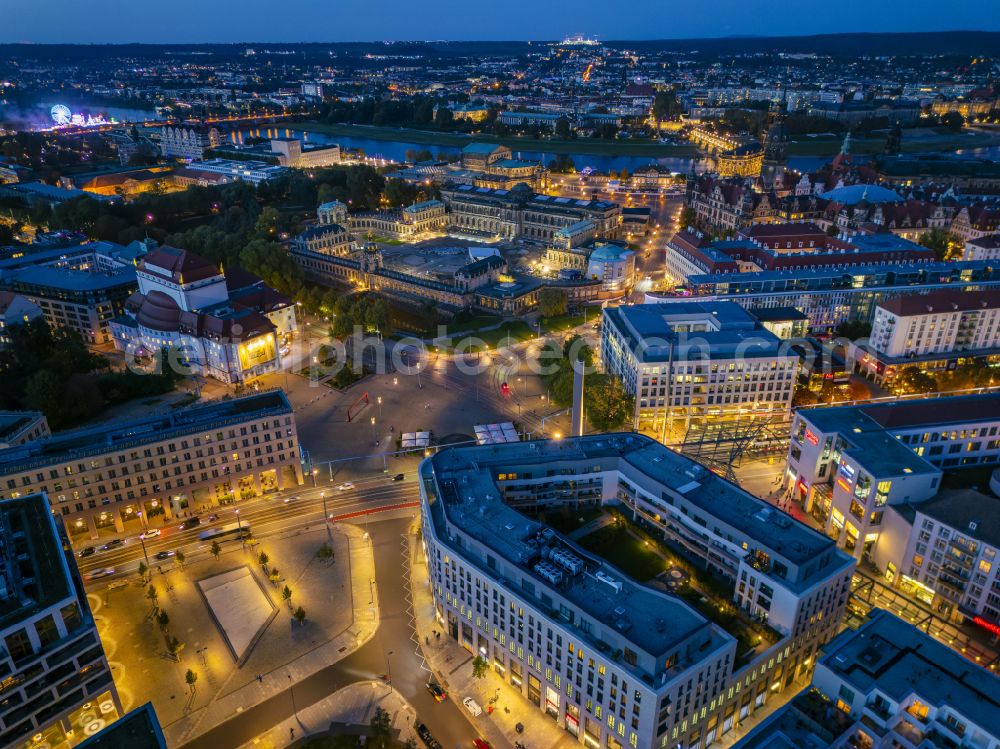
613	661
121	476
693	360
887	685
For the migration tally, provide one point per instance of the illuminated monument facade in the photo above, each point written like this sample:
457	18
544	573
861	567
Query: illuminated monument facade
220	327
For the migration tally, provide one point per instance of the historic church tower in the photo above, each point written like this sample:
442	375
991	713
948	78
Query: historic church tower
776	146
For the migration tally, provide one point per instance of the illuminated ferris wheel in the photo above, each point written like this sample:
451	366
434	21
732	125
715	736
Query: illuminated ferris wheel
61	114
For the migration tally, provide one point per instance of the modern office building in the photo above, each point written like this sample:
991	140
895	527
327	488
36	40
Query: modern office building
229	331
253	172
831	296
931	332
120	476
614	661
694	360
846	464
58	688
80	287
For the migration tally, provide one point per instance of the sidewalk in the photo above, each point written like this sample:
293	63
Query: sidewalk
365	623
346	711
452	667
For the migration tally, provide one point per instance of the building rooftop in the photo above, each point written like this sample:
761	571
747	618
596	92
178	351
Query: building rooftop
681	330
138	729
120	435
656	622
67	279
34	573
969	512
900	661
944	300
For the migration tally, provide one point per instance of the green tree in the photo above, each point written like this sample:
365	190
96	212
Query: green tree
286	595
163	620
152	595
562	164
480	667
562	128
143	569
399	192
443	117
377	316
191	678
609	407
952	121
938	240
381	727
325	553
263	558
854	329
688	218
179	559
274	576
914	380
174	646
552	301
216	550
300	615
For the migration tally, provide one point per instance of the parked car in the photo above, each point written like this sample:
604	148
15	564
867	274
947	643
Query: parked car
481	744
113	544
425	735
473	707
150	533
436	691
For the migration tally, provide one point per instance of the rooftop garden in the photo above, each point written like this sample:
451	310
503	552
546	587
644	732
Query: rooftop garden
649	559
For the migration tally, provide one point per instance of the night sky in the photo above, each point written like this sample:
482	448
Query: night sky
118	21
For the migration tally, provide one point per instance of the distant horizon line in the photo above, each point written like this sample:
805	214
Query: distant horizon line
758	37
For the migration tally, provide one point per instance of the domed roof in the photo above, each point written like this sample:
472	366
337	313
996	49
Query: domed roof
609	252
854	194
158	312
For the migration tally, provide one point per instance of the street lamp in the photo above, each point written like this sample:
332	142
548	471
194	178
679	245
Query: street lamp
374	438
388	670
314	472
326	516
239	529
379	400
142	540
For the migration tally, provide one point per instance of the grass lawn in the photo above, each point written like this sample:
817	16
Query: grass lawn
567	519
565	322
474	322
509	333
619	548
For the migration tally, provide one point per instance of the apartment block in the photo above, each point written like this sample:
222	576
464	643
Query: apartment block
613	661
57	687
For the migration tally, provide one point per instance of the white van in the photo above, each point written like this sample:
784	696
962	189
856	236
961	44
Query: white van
473	707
